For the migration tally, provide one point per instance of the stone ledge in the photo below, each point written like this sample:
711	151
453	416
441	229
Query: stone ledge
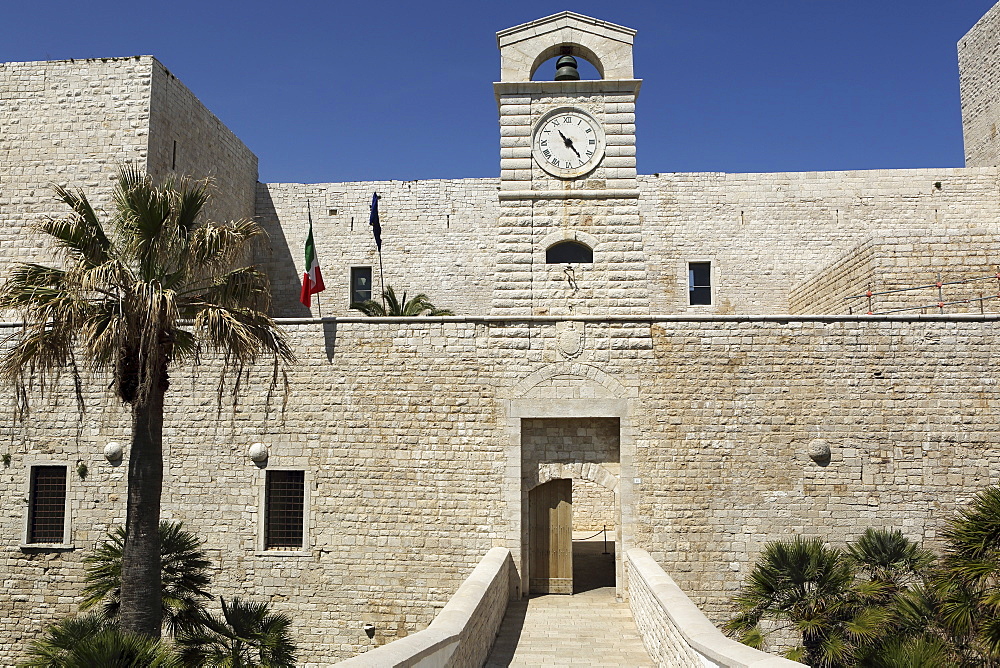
610	193
693	625
435	645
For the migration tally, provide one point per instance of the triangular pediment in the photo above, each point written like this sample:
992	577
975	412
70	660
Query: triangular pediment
607	46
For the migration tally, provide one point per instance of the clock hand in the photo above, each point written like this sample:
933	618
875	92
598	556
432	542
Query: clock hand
569	143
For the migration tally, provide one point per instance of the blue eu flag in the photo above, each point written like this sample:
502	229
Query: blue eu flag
373	221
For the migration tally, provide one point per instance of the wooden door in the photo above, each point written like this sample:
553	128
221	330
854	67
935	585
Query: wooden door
550	538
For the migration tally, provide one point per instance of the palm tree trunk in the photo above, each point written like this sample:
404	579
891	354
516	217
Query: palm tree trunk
141	606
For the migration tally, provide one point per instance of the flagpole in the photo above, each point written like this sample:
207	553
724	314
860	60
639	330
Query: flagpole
377	233
381	278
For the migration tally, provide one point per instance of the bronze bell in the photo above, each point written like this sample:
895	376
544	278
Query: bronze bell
566	69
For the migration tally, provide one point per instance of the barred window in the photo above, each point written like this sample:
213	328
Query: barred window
47	505
284	507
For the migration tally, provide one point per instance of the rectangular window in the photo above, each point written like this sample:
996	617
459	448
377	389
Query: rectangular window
47	505
700	283
284	510
361	284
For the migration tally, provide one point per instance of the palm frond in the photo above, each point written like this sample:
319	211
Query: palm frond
394	306
248	634
80	233
184	576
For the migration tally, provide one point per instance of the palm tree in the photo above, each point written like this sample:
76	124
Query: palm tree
153	287
184	582
808	588
90	640
887	556
248	635
419	305
968	586
60	638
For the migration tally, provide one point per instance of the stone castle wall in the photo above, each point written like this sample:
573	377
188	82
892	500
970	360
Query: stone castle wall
901	268
979	76
766	234
74	122
71	123
437	238
400	428
186	139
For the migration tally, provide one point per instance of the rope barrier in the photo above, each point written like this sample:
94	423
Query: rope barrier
589	537
939	304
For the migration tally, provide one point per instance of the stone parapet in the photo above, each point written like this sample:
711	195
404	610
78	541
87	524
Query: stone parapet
675	632
462	633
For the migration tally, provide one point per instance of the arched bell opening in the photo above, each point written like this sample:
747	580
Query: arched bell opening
588	65
569	251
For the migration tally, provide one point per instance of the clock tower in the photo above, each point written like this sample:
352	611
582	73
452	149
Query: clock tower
569	239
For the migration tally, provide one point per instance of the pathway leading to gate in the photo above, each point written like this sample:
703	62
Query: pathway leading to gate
588	629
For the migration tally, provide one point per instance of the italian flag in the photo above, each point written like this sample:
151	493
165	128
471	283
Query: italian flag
312	278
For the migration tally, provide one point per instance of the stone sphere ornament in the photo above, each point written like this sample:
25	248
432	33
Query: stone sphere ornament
258	452
819	451
114	452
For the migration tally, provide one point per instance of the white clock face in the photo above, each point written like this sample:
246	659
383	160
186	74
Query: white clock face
568	143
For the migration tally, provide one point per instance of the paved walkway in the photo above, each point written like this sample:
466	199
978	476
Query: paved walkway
588	629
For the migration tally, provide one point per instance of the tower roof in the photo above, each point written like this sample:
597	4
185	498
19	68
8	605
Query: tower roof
607	46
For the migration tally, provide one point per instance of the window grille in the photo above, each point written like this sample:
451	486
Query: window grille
284	505
47	504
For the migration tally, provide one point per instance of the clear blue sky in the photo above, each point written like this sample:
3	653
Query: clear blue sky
339	91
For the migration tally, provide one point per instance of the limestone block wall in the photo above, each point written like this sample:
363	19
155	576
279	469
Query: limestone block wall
979	77
765	233
69	122
186	139
402	487
463	632
571	441
593	507
74	122
895	262
723	451
852	274
437	236
401	430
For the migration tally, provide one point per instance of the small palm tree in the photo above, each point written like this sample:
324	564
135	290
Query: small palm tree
90	640
807	587
248	635
60	638
184	581
886	555
153	286
892	563
419	305
917	652
968	586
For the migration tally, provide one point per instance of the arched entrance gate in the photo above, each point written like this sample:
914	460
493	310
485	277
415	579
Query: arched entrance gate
571	444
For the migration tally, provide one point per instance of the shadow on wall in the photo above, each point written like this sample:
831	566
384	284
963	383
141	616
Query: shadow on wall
278	263
329	339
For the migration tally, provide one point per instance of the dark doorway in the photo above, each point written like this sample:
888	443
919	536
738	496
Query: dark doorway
593	561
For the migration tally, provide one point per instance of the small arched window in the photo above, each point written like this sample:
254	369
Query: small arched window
569	251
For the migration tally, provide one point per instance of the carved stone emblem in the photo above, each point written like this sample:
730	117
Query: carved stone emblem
569	338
